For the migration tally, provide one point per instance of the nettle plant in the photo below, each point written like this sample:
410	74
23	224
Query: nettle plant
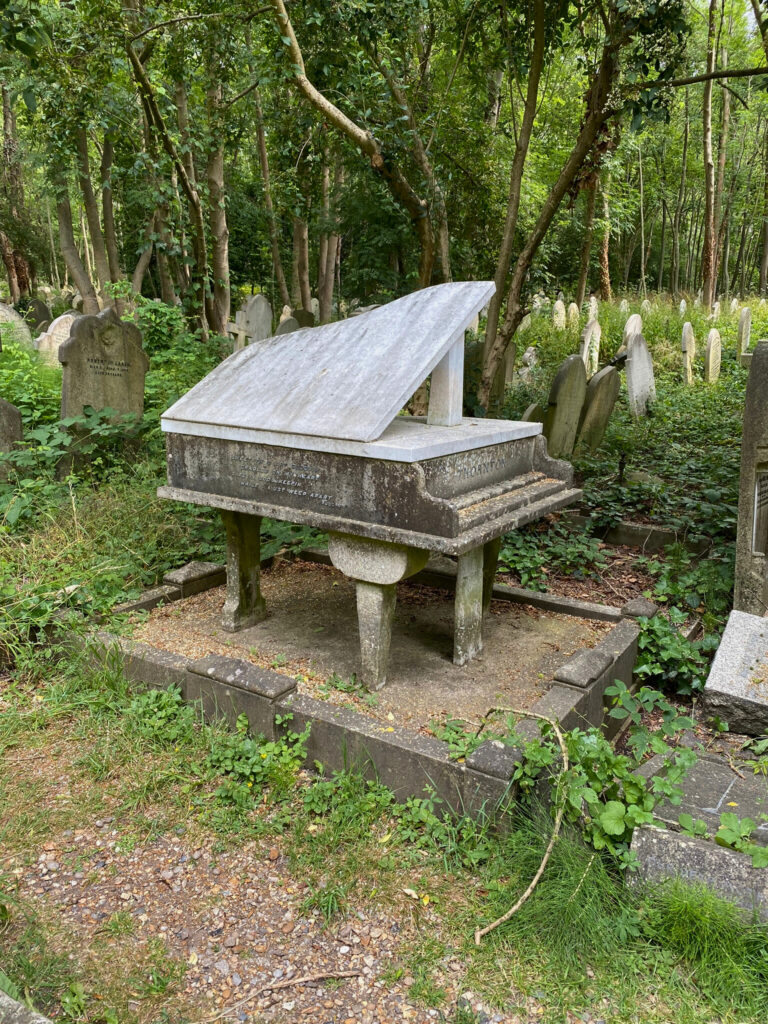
601	792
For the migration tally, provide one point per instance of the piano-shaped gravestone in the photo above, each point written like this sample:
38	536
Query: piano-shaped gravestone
306	427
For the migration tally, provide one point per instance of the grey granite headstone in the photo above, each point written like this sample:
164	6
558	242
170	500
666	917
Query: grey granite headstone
645	307
744	330
13	326
257	318
750	592
641	384
103	365
734	305
688	346
602	392
534	413
683	307
11	431
287	326
590	347
623	306
737	685
715	311
38	313
566	399
48	344
712	356
558	315
347	379
593	307
304	317
572	315
634	325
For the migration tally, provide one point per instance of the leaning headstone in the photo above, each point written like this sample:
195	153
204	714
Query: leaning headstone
734	305
558	315
602	392
48	344
737	685
525	324
641	384
715	311
689	352
11	432
683	307
38	313
566	399
751	585
286	312
744	330
593	307
103	365
590	347
13	326
623	306
634	325
712	356
572	316
645	307
534	413
257	318
287	326
304	317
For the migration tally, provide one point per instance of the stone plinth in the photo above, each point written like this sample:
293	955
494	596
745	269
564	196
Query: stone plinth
737	685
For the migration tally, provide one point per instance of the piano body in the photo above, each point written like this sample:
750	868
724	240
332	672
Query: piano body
304	428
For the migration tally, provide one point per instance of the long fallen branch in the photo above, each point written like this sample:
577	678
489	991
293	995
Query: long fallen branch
480	932
273	986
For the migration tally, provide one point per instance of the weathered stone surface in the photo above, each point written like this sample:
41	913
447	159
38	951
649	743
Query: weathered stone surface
683	307
558	315
734	305
244	605
623	306
287	326
645	307
572	315
12	1012
566	398
590	347
13	326
48	344
257	318
228	688
38	313
11	432
688	346
104	366
639	608
664	855
602	392
744	330
634	325
468	610
641	385
343	380
737	685
594	307
374	561
584	668
304	317
194	577
714	315
712	356
751	593
534	413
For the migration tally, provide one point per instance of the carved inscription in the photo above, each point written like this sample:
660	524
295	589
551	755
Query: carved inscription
252	471
107	367
452	475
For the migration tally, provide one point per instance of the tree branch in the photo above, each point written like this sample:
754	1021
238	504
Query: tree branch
708	77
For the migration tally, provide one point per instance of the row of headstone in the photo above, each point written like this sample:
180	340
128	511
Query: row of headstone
50	341
14	325
590	347
641	383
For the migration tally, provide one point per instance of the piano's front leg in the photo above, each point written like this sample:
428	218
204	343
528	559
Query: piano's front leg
245	605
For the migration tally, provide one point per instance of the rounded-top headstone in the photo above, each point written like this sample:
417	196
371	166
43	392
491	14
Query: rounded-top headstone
688	346
48	344
623	306
558	315
287	326
634	325
38	313
712	356
566	399
256	318
715	311
590	347
593	307
572	315
602	392
744	330
641	384
683	307
645	307
734	305
304	317
13	326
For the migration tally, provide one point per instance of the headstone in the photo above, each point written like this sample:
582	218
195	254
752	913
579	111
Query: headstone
572	316
634	325
315	306
751	589
623	306
712	356
237	332
560	297
257	318
737	686
304	317
566	399
683	307
534	413
734	305
104	366
689	352
558	315
697	301
38	313
286	312
641	385
590	347
359	310
525	324
645	307
602	392
13	326
529	359
715	311
288	326
11	432
593	307
745	330
48	344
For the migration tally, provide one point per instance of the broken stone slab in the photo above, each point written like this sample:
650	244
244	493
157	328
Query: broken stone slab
639	608
737	685
194	577
663	855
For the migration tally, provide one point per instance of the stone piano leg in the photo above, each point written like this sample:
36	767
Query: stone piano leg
376	566
474	587
245	605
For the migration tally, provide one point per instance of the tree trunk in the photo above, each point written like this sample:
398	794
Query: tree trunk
586	245
98	247
662	253
107	205
708	248
493	106
606	292
54	261
325	287
80	277
218	215
642	224
676	221
6	251
274	236
301	248
722	153
145	257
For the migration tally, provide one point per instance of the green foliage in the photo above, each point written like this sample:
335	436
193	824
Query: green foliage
162	717
667	659
694	583
253	765
735	833
543	547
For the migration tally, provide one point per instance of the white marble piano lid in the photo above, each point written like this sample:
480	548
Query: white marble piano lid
343	380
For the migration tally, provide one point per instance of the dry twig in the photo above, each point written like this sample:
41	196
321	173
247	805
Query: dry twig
273	986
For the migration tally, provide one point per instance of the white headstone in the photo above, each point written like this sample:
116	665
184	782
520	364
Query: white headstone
645	307
623	306
48	344
525	324
734	305
641	384
285	313
689	352
257	318
683	307
593	307
712	356
572	316
558	315
13	326
745	330
715	311
590	347
315	307
633	326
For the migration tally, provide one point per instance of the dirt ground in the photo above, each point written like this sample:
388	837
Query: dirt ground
311	633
